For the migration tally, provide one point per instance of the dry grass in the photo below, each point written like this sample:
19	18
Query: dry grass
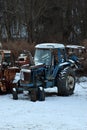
18	46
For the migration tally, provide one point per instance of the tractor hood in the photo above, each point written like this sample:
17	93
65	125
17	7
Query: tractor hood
28	74
37	66
28	67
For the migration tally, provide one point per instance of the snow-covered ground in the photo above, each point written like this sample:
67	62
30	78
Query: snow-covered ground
55	113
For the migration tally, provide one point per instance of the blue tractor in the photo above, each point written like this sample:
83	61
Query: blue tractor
51	68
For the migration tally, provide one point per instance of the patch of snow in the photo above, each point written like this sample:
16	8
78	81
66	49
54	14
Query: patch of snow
50	45
83	79
16	78
75	46
55	113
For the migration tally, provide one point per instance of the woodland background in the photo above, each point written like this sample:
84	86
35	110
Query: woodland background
35	21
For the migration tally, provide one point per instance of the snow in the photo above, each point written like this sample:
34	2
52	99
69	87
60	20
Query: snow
16	78
50	45
75	46
55	113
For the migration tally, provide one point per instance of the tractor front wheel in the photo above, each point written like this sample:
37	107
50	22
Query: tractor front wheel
14	93
41	94
37	94
33	94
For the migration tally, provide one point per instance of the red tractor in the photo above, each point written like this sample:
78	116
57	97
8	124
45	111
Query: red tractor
24	58
7	71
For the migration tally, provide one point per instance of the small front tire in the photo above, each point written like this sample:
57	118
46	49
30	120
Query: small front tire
41	94
15	94
33	95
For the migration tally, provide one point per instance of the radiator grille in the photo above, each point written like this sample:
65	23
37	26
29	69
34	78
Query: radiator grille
26	77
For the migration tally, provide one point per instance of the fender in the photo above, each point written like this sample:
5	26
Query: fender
59	67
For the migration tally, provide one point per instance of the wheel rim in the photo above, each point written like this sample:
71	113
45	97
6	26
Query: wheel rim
70	82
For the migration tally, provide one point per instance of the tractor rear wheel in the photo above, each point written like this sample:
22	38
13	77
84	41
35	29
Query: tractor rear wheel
66	82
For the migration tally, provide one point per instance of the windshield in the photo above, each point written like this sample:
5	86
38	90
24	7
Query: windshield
42	56
7	57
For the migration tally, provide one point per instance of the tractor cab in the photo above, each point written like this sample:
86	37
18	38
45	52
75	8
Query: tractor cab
79	51
78	54
8	58
49	54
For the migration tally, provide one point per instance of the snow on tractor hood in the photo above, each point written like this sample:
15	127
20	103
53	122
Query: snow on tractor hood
50	45
28	67
37	66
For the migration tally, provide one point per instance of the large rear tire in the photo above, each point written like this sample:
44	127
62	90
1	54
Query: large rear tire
66	82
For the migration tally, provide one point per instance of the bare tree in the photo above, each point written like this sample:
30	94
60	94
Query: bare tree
33	11
44	20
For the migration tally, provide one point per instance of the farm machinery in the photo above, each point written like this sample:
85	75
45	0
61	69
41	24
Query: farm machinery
79	55
24	58
50	68
7	71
